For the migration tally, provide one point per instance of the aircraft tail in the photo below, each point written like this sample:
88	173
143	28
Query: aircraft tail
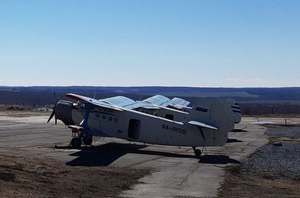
213	117
236	110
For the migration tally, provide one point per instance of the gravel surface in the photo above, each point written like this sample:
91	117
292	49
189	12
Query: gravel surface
272	161
284	131
275	161
271	171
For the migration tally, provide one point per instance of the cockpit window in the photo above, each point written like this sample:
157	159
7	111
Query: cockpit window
169	116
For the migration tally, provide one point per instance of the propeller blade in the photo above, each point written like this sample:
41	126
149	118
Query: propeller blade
51	116
55	119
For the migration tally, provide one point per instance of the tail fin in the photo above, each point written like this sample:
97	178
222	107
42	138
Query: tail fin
213	116
236	110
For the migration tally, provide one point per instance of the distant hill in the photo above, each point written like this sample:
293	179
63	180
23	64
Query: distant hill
31	95
247	97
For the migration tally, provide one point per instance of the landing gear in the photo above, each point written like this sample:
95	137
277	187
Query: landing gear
79	138
87	139
197	152
76	142
80	132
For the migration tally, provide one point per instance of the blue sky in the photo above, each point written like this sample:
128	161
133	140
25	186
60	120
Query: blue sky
150	42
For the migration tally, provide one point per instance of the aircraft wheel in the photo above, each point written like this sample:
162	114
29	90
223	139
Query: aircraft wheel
88	140
76	142
197	152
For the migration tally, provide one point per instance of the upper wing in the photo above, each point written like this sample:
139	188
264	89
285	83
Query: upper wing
128	103
94	102
176	103
180	102
157	100
120	101
142	104
163	101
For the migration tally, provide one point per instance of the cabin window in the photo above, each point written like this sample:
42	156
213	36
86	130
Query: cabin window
134	128
169	116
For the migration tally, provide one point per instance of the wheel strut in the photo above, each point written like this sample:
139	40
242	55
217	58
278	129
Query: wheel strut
197	151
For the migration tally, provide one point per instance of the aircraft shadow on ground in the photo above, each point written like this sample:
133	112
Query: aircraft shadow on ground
232	140
106	154
217	159
239	130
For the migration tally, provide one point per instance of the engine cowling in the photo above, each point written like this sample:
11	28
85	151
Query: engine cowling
63	112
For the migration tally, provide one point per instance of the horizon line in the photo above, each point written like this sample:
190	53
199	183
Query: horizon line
141	86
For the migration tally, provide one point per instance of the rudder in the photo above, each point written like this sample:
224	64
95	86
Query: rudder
214	112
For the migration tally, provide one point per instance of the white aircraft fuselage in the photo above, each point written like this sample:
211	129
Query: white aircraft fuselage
206	124
142	127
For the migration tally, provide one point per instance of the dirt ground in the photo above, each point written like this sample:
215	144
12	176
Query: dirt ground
37	177
31	165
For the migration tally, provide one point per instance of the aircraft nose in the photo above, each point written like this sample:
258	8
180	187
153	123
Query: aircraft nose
62	111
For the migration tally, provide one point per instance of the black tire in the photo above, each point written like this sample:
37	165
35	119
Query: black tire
76	142
88	140
197	152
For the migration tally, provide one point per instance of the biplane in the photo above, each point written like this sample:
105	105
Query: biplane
156	120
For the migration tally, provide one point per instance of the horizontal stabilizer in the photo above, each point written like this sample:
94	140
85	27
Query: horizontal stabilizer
202	125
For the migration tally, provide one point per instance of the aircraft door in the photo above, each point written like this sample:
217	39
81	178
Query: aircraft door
134	128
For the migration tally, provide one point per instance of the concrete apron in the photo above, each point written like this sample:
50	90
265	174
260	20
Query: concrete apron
188	176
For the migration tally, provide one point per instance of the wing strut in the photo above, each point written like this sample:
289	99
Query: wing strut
202	134
84	123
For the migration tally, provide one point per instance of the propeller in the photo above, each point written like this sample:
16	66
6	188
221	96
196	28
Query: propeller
53	114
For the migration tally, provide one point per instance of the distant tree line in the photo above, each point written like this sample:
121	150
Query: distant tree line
45	97
39	96
269	109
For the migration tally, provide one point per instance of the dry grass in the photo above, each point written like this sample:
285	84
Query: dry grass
35	177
